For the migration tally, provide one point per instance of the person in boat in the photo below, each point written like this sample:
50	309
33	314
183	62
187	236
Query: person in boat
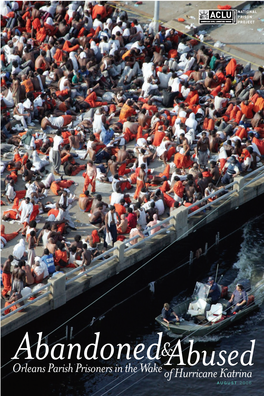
168	315
238	300
214	292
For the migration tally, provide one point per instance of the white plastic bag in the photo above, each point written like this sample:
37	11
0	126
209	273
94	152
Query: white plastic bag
108	238
218	44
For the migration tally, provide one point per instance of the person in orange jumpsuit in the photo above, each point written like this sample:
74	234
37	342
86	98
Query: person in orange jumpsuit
91	99
9	237
57	186
58	56
231	68
140	180
178	189
68	47
126	111
247	108
6	276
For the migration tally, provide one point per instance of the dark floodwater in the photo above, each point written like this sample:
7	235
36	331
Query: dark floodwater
132	321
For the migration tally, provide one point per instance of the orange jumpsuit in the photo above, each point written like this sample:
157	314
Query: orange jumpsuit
6	279
8	237
91	100
140	185
89	181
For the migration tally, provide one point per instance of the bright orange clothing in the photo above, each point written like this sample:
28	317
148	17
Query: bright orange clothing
182	161
120	209
58	56
178	188
95	236
28	26
231	67
29	87
68	48
139	132
259	105
8	237
140	185
40	36
99	10
172	53
34	213
247	110
36	24
126	54
56	185
241	132
166	172
17	157
168	200
151	108
208	124
128	136
89	181
122	170
171	152
91	100
55	212
60	255
158	137
6	279
126	112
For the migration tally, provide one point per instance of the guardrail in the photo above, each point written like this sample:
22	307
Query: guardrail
213	194
211	203
27	304
149	236
255	178
259	171
178	221
90	268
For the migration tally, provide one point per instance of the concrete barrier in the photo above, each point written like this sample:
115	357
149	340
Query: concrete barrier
180	225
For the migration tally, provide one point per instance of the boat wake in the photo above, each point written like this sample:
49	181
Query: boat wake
250	263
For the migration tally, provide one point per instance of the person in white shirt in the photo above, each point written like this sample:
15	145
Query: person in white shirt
117	28
164	77
219	100
21	115
56	158
159	204
104	45
148	88
183	48
116	196
10	191
26	208
97	22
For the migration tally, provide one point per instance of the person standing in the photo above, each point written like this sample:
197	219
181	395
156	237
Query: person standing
86	257
90	176
56	158
6	276
31	248
26	209
202	147
111	219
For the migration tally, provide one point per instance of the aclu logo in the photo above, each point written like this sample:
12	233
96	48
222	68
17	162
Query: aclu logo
211	17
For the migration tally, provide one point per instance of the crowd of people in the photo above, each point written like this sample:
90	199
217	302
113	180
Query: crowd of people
82	80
